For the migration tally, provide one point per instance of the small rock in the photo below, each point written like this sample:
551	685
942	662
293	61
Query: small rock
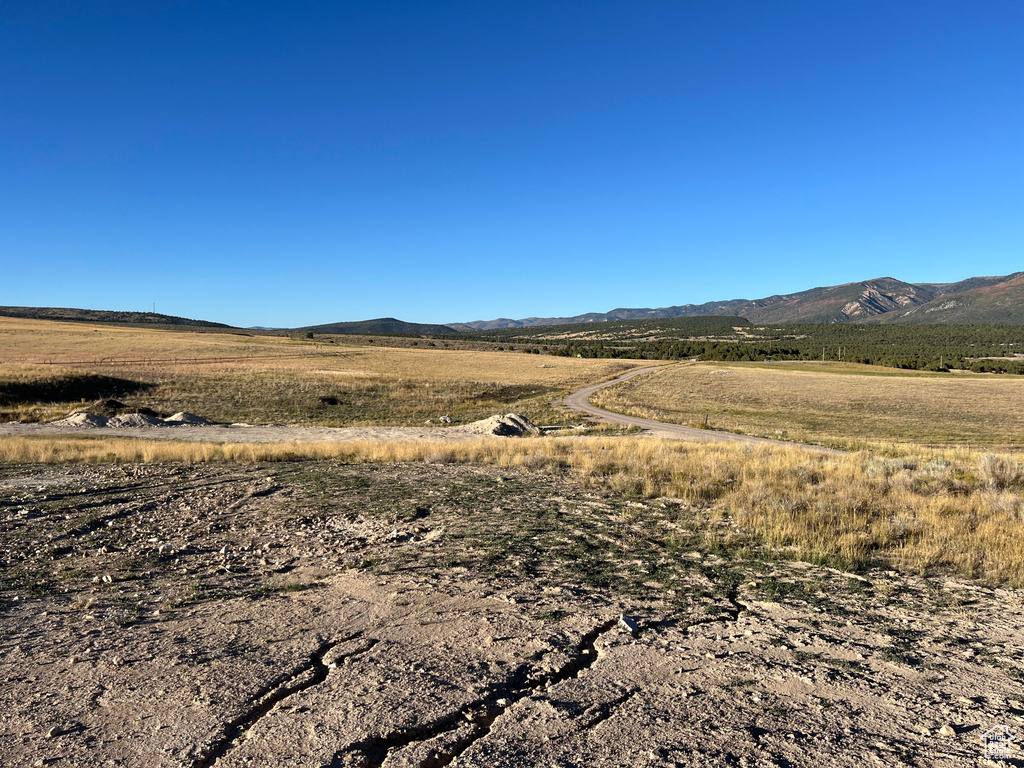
947	730
628	624
54	732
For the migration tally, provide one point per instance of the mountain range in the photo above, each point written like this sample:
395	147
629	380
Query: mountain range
884	299
995	300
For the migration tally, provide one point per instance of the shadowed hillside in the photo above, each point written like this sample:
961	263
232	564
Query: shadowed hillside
381	325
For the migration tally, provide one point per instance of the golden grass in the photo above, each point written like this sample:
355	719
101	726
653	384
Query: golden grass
37	341
958	513
832	404
284	379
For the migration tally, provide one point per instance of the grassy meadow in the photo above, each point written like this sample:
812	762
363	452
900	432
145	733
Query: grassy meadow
234	377
840	404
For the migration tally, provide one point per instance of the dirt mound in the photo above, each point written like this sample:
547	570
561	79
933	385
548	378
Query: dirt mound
115	415
82	419
130	420
184	418
509	425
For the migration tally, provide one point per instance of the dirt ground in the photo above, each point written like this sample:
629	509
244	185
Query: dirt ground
254	433
319	614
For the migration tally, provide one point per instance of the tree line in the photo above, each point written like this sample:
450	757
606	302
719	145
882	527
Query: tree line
980	348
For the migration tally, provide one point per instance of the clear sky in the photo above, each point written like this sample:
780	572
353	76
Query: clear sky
294	163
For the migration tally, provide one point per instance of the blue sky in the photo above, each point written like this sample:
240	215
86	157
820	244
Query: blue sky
295	163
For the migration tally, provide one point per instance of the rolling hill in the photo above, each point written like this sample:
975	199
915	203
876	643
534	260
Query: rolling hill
381	325
69	314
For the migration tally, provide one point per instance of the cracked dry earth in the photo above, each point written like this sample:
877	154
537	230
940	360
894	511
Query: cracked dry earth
319	614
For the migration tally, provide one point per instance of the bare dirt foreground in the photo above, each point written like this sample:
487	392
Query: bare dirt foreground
320	614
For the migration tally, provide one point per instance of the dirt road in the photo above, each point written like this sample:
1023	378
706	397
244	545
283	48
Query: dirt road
580	401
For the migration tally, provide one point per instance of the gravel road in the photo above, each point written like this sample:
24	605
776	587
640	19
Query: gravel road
580	401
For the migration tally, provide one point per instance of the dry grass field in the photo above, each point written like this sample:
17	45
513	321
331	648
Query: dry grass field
834	404
232	377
